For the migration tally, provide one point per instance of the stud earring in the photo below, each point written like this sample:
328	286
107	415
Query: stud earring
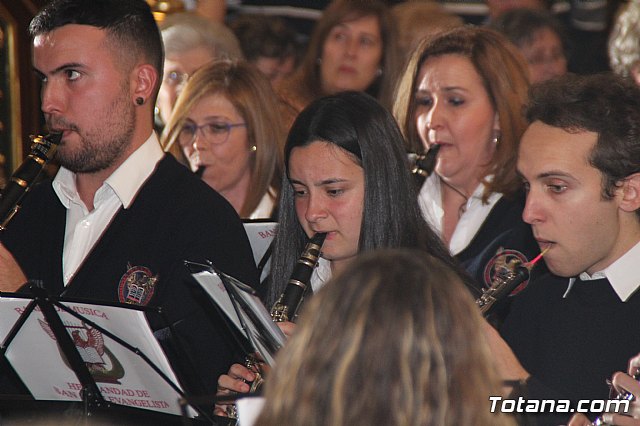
496	137
379	72
253	148
139	100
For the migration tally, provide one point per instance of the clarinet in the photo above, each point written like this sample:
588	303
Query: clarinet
42	150
286	308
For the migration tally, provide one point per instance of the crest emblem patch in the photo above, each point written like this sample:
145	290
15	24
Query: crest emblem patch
503	262
137	285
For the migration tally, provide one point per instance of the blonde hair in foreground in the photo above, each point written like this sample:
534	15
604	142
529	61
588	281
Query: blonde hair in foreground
395	340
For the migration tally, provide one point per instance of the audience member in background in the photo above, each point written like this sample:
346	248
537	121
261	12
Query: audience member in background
416	20
347	366
540	38
464	90
587	24
624	42
353	47
226	125
267	43
190	41
346	175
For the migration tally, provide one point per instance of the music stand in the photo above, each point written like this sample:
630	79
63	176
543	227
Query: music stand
243	308
110	370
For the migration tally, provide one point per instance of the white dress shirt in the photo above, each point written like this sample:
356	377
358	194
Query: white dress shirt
84	227
622	274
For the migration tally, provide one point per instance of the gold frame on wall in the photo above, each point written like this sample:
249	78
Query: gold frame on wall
10	123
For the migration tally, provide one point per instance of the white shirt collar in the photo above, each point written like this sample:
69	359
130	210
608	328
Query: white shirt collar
622	274
125	181
321	275
476	212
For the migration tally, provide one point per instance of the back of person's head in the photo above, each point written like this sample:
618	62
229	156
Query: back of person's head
185	31
520	25
606	104
252	96
338	12
624	42
360	126
394	340
416	20
265	36
498	7
130	26
504	74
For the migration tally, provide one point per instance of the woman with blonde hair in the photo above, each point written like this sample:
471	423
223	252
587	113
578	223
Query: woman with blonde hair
394	340
464	90
226	126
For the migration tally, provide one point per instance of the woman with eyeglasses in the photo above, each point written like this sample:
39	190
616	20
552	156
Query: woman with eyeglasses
226	126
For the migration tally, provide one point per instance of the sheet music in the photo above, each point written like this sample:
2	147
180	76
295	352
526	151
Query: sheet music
261	331
122	376
212	284
260	234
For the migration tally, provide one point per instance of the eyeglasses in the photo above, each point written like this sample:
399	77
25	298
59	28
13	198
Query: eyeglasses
215	132
175	78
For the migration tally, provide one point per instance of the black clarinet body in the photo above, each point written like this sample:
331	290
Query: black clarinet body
286	308
42	150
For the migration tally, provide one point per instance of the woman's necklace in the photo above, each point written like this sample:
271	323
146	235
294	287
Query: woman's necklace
463	206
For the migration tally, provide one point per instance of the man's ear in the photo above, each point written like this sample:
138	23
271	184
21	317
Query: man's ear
630	199
144	79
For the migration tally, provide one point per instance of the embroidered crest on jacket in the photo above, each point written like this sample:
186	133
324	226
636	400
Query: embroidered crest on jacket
137	285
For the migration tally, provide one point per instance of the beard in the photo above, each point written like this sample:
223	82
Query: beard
103	144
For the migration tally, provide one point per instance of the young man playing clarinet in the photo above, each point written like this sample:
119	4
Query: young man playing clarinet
580	162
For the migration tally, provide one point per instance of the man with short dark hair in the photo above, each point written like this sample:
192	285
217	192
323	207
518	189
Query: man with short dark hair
580	161
121	215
